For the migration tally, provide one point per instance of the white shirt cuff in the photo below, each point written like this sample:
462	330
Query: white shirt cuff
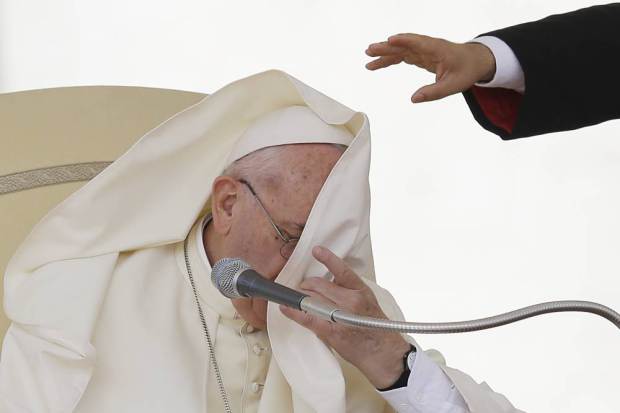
429	390
508	71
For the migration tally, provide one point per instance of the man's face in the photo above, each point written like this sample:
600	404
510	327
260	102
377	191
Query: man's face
288	198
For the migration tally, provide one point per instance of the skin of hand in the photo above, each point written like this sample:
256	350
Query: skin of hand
377	354
457	66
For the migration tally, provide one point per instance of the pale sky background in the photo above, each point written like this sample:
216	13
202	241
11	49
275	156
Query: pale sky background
464	225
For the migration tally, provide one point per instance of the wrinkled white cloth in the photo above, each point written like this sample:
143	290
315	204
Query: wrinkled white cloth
103	318
428	390
172	349
109	243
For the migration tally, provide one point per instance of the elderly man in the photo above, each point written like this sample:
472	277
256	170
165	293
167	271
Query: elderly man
110	300
109	295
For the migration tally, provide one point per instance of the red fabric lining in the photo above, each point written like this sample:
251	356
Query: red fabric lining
500	106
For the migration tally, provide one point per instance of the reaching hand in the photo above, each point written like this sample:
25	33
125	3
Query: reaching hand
457	66
377	354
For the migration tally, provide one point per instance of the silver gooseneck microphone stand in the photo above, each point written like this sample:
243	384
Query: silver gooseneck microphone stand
339	316
227	272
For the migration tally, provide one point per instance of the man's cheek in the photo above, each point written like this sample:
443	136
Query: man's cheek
242	304
260	308
254	308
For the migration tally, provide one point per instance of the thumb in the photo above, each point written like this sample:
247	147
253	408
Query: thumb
434	91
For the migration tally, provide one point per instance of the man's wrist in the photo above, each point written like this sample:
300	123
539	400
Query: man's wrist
508	73
403	379
486	59
393	367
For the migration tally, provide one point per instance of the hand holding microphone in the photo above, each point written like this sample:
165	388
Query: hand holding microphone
361	334
377	353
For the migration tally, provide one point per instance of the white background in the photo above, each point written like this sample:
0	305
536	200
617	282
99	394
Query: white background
464	225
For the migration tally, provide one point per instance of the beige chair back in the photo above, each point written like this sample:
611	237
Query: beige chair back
54	140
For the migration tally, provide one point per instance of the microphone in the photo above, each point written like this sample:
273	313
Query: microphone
234	278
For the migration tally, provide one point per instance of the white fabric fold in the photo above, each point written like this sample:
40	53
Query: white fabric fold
58	280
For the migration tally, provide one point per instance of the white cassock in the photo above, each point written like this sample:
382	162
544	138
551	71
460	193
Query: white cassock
167	369
104	318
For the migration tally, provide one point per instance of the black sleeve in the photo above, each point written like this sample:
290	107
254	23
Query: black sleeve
571	64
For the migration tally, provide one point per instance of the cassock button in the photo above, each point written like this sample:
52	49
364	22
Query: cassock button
249	329
257	349
256	387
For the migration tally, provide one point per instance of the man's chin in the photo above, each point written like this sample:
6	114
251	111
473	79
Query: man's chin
252	310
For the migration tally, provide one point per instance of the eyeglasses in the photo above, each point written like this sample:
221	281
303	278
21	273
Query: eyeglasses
289	242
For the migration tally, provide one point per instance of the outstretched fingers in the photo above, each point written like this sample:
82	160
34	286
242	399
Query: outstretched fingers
384	61
444	87
384	49
415	43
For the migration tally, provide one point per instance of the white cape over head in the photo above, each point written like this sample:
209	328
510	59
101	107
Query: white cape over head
56	283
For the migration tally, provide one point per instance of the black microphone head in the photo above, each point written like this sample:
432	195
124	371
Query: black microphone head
224	275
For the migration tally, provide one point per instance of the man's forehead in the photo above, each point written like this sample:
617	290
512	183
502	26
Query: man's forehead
304	182
306	167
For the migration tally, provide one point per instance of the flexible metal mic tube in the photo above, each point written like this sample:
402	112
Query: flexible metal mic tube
343	317
227	272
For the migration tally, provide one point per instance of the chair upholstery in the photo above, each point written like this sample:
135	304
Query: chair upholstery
53	140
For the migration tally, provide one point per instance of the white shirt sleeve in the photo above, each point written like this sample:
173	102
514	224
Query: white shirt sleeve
508	71
429	390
